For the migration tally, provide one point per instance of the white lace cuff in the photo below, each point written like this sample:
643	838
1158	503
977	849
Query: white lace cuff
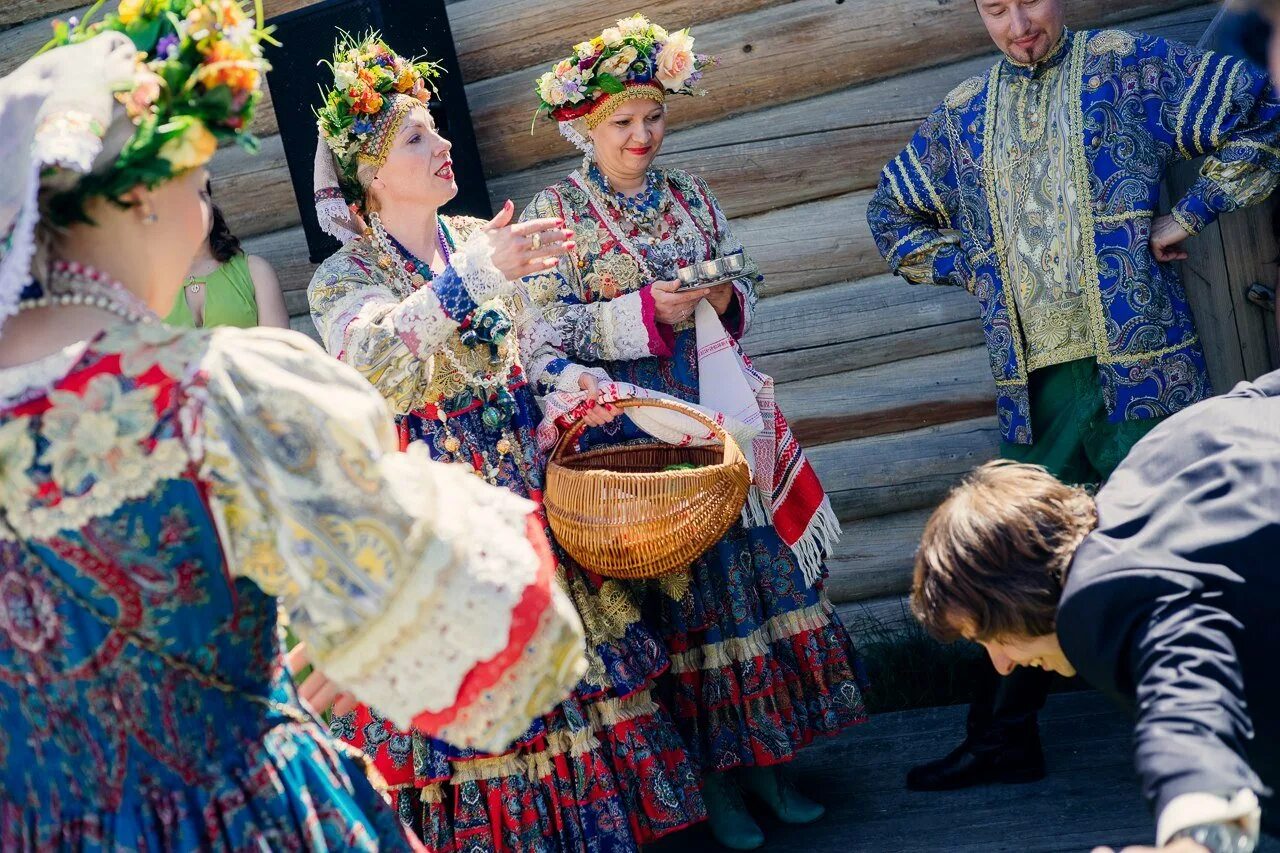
473	262
568	379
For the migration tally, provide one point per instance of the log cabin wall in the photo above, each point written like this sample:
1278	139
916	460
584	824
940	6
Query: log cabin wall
886	384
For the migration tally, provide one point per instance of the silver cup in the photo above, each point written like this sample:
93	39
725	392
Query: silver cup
736	262
709	270
687	276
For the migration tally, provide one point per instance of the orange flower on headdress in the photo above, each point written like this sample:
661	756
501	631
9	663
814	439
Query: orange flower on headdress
227	65
364	99
406	81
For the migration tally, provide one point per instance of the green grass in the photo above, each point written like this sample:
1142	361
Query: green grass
909	669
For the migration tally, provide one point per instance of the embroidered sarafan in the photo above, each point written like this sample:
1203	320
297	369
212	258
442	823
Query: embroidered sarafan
1135	105
166	496
761	665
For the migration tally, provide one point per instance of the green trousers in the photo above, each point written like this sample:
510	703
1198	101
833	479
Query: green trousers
1078	445
1073	438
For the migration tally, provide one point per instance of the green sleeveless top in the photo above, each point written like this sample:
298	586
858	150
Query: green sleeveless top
229	298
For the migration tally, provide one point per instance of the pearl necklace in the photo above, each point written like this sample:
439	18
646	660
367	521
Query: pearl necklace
387	253
73	283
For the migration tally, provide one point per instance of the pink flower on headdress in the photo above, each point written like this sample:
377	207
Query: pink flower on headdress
420	91
144	94
676	62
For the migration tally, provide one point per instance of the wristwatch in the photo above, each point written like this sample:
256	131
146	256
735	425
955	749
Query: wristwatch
1219	837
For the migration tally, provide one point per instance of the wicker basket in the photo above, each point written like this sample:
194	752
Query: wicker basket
617	513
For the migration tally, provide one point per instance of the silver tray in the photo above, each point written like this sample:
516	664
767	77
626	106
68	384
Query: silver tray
715	282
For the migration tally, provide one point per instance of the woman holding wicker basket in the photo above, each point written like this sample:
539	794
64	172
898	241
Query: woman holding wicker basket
761	663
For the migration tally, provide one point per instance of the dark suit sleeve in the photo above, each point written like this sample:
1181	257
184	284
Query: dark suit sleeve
1192	722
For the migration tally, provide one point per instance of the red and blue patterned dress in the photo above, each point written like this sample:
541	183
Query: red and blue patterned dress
461	358
761	664
166	496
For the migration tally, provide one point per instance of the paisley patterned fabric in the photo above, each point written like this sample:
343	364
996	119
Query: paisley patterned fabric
1039	210
761	665
1137	105
157	487
605	770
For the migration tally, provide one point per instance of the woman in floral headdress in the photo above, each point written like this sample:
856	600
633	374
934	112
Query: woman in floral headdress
165	493
429	309
761	664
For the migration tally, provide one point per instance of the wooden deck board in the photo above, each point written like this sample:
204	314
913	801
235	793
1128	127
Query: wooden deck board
1090	797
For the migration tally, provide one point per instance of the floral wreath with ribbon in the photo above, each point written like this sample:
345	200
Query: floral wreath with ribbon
198	82
634	59
373	89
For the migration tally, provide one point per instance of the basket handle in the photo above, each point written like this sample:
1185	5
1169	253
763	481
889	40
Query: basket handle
574	432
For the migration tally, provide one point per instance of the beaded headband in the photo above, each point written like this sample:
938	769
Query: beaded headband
606	106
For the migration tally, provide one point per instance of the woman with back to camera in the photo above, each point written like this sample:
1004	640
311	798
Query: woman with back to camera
165	493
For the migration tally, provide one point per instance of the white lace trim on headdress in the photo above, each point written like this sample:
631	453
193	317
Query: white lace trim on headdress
579	141
333	211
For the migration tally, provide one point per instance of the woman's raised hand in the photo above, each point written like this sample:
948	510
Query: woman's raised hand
671	307
527	248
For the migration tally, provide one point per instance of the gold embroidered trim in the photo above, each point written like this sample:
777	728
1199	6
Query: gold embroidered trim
432	794
997	230
606	106
1133	358
1228	95
928	183
895	186
961	95
1204	107
1080	174
908	238
755	644
1060	355
1187	225
384	137
1127	216
1201	70
911	187
1258	146
1112	41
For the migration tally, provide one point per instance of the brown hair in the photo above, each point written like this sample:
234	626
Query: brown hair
994	556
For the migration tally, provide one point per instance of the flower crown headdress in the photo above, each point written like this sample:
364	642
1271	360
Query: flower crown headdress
635	59
373	89
200	68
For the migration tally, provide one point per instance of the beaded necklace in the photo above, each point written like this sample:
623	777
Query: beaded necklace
644	210
486	326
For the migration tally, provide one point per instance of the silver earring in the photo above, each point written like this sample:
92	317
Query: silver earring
150	218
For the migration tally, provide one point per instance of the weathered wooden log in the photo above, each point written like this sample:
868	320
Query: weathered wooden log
811	47
874	557
902	471
859	324
773	158
903	395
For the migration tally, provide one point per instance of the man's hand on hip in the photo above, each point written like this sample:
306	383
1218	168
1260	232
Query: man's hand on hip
1166	239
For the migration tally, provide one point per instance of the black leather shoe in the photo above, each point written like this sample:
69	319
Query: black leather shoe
1010	764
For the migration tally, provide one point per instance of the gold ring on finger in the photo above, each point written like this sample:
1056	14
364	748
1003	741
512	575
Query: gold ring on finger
537	241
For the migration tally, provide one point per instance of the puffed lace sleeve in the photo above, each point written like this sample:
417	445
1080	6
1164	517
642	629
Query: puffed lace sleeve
417	587
389	337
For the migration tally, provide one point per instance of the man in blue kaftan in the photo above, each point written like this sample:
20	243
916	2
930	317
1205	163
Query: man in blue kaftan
1035	187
